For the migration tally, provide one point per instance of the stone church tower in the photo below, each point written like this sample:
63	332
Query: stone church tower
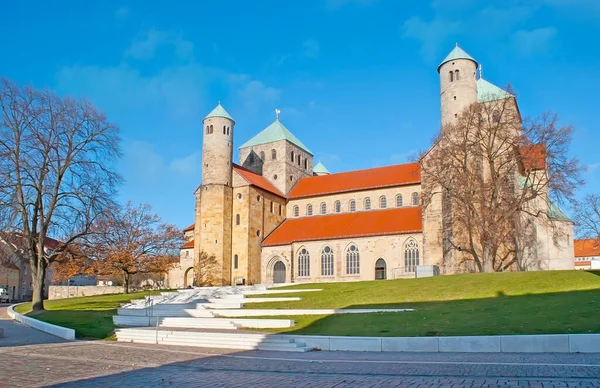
458	84
214	197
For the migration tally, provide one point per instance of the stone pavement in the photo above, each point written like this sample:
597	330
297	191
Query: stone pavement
17	334
110	364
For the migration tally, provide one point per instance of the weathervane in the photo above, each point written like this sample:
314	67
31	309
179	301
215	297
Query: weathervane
277	112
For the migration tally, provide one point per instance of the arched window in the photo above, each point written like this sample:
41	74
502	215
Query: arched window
272	206
352	205
235	262
262	155
279	209
237	219
228	130
495	116
323	208
292	156
399	200
291	178
251	157
273	154
367	203
456	75
207	129
352	260
382	202
338	206
451	76
224	129
411	255
309	210
306	164
327	262
303	263
211	129
298	160
296	211
415	199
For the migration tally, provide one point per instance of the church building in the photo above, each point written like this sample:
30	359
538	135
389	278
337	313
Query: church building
277	218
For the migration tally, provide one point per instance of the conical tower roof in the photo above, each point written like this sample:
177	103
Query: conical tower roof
320	169
219	111
272	133
456	53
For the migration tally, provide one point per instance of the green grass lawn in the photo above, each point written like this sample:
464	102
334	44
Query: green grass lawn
89	316
474	304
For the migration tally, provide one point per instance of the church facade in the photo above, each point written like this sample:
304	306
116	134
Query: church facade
277	218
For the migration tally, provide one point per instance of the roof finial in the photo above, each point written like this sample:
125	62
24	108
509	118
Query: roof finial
277	112
456	44
219	102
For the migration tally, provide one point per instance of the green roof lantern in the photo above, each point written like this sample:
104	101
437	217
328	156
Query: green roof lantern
487	92
275	132
219	111
456	53
320	169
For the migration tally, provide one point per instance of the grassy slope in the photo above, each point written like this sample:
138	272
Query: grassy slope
90	316
476	304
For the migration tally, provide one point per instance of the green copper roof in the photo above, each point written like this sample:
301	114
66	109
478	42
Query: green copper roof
219	111
275	132
456	53
555	214
320	169
487	92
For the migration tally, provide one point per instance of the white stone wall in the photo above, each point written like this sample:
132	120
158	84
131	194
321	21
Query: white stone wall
176	277
61	292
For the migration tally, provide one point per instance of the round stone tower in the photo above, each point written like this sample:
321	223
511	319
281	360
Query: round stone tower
217	147
458	84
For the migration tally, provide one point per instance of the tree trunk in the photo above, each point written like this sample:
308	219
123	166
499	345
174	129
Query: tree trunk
126	282
38	274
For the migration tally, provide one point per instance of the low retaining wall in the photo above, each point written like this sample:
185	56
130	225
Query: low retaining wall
62	292
59	331
550	343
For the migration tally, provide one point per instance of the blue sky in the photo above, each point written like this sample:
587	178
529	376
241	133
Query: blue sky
355	80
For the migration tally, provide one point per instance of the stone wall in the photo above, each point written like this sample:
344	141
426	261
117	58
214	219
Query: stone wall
61	292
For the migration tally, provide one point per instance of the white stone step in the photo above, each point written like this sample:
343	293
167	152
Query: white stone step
267	292
267	300
199	313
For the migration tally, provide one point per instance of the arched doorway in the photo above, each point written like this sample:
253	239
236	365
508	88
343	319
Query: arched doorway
279	272
380	269
188	278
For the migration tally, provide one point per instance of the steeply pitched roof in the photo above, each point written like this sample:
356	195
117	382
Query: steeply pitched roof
188	245
320	168
219	111
556	214
257	180
275	132
456	53
347	225
586	248
191	227
487	92
397	175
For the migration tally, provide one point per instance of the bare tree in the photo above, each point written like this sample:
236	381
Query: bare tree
133	240
204	269
587	217
57	172
496	175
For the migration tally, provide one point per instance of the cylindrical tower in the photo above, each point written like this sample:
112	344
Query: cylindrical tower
217	147
458	84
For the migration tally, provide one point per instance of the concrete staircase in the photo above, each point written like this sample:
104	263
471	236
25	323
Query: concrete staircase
201	323
239	341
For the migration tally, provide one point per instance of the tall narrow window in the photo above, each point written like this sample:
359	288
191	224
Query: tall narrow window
272	207
228	130
211	129
327	262
298	160
367	204
237	219
306	163
352	205
338	206
224	129
415	199
309	210
352	260
303	263
273	154
251	157
323	208
399	200
235	262
207	129
451	76
279	209
262	155
296	211
382	202
456	75
292	156
496	116
411	255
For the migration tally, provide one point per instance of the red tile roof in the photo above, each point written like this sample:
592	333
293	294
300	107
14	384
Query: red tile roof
398	175
191	227
188	245
257	180
583	263
347	225
586	248
534	157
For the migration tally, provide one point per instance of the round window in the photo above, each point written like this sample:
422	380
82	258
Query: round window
275	177
239	196
258	233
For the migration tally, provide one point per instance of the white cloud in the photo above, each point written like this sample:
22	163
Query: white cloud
532	42
311	48
122	13
146	44
430	34
254	94
187	165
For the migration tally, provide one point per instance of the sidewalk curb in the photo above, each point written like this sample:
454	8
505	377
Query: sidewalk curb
59	331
